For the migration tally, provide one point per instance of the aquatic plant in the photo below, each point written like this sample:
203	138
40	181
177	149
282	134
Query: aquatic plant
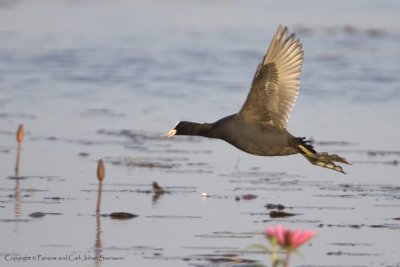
100	177
288	239
282	238
20	138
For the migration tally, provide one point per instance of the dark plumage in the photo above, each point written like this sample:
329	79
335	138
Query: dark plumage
259	128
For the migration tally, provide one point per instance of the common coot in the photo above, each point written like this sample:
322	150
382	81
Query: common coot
259	127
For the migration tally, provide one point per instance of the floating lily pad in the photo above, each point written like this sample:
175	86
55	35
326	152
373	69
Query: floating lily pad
122	215
280	214
275	206
40	214
249	196
37	214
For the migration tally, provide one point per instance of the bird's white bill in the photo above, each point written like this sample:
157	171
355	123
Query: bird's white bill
171	133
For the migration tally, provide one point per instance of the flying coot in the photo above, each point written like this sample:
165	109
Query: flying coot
259	128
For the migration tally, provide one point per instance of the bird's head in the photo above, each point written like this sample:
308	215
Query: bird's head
180	128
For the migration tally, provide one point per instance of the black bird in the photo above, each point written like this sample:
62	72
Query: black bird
259	128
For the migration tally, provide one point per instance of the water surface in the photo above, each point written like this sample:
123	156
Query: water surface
104	80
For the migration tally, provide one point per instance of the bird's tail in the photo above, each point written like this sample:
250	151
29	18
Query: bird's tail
322	159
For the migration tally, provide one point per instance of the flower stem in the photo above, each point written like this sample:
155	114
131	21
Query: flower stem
274	256
287	259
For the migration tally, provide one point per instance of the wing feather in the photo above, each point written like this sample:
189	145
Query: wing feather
276	82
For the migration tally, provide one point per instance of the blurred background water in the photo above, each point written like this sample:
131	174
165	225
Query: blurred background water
76	73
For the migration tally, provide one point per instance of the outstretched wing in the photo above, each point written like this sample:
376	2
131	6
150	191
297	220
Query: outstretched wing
276	82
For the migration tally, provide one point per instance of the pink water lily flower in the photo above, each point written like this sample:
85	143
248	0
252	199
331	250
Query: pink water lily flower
287	238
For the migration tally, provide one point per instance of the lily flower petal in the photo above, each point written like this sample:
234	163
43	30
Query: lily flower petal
287	238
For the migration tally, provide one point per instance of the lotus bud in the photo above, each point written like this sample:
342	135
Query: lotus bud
20	134
100	170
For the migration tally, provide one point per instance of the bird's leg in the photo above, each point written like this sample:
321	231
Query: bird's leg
322	159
